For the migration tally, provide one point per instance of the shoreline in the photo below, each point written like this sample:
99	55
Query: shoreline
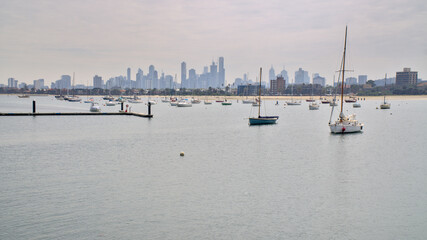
277	98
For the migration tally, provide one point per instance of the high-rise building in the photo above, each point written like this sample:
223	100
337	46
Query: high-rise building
192	78
271	74
284	74
406	77
38	84
301	77
184	75
317	79
139	79
278	85
351	81
98	82
221	72
12	83
213	80
362	79
128	76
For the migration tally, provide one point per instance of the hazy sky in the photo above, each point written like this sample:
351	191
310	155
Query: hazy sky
46	39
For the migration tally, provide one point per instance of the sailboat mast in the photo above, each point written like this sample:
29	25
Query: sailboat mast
385	83
73	84
343	70
259	90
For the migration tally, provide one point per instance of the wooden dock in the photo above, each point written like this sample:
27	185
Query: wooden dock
78	114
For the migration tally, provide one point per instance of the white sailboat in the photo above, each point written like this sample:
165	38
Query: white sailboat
94	107
313	105
293	102
262	120
344	124
385	105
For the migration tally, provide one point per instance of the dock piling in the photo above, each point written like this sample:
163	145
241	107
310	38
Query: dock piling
34	106
122	106
149	108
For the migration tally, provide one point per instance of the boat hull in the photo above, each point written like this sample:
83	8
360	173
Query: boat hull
293	103
346	127
313	107
184	105
262	120
385	106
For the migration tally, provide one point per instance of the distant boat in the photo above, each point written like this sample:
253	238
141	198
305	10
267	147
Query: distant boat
195	101
74	99
110	103
293	102
313	106
385	105
226	102
207	102
94	107
24	96
351	100
344	124
89	100
152	102
262	120
184	103
325	101
248	101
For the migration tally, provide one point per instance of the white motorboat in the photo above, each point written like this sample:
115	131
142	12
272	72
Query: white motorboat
344	124
184	103
94	107
173	103
152	102
110	103
356	105
135	101
207	102
313	106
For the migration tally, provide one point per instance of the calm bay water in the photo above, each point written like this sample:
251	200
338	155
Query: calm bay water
121	177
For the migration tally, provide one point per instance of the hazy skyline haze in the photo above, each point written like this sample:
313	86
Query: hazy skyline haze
46	39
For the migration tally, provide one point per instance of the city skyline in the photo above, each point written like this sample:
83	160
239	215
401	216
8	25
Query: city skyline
48	39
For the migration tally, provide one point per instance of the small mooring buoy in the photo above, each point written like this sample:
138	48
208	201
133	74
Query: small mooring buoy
181	154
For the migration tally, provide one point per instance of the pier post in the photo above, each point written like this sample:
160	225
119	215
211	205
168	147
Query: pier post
149	108
122	106
34	106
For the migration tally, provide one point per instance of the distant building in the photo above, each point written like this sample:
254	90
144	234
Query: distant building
362	79
406	77
221	72
351	81
249	90
12	83
317	79
301	77
271	74
128	72
22	85
98	82
183	75
277	86
38	84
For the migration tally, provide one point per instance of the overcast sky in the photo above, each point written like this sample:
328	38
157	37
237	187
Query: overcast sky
46	39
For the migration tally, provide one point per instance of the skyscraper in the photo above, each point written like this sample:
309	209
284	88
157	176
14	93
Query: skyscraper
97	82
221	72
183	75
38	84
301	77
128	77
271	74
213	80
362	79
